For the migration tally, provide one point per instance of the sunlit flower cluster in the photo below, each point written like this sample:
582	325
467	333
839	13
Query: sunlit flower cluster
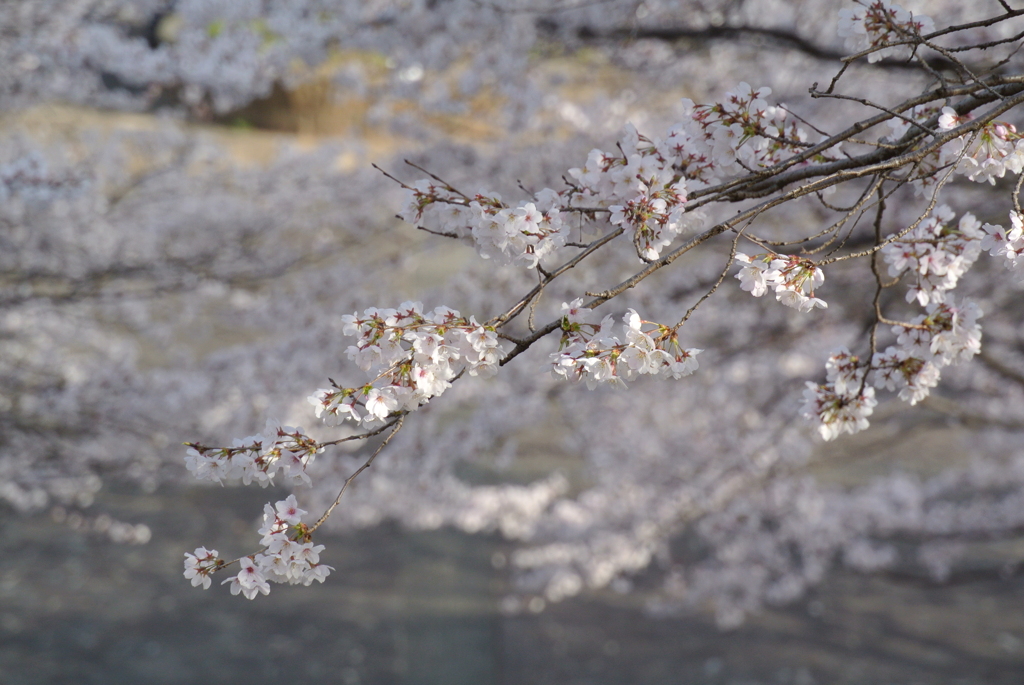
711	143
200	565
744	132
947	334
843	403
641	188
987	155
935	254
879	23
523	234
793	278
256	458
288	556
644	185
898	369
410	357
590	352
999	242
653	218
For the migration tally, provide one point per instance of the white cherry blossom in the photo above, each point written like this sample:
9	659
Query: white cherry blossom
878	23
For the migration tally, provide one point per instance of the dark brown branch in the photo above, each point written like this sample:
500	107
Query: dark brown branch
878	161
514	311
727	191
789	40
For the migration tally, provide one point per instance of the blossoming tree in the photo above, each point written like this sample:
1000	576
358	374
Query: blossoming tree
878	216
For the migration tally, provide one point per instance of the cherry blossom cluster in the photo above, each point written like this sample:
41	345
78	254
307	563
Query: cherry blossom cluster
200	565
987	155
288	556
713	142
653	217
524	234
410	356
744	132
590	352
643	185
641	188
982	156
898	369
256	458
880	23
935	253
1002	243
843	403
947	334
792	277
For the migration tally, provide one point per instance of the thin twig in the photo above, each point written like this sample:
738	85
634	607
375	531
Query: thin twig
446	184
397	427
721	277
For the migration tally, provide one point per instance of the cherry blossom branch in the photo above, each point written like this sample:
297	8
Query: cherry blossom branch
652	191
360	436
727	190
837	172
902	233
515	309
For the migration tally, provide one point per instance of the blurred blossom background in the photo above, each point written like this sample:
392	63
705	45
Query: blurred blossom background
188	207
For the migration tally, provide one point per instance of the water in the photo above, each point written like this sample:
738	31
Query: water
422	609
